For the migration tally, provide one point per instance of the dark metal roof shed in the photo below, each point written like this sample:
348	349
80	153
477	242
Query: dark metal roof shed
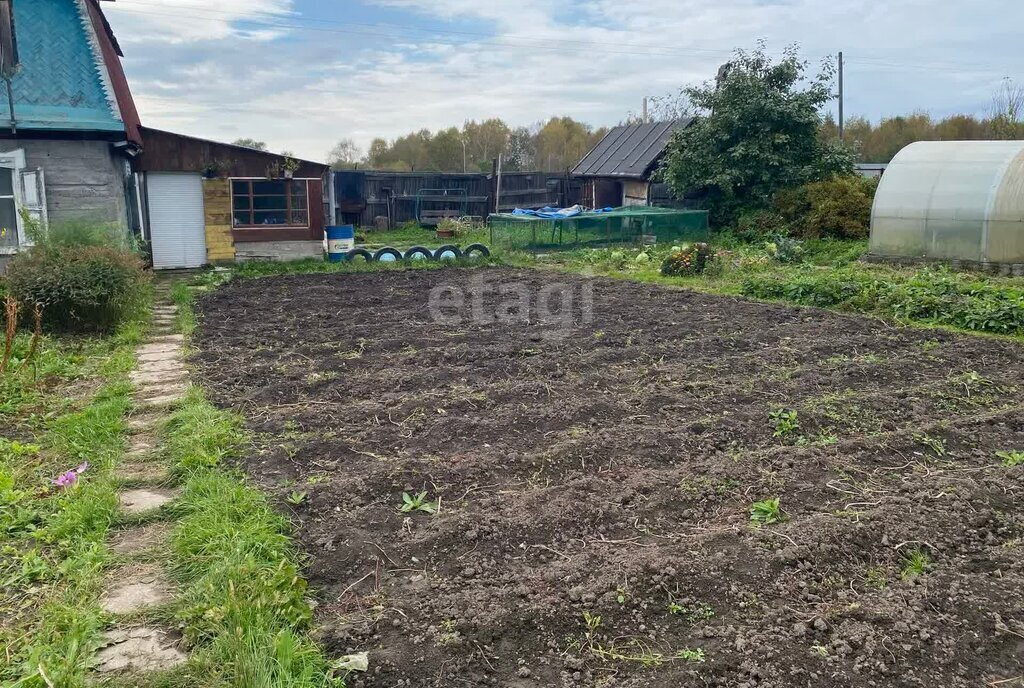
629	151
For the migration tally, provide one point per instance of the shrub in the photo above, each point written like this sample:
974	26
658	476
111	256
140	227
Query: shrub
692	260
760	225
839	207
88	288
785	249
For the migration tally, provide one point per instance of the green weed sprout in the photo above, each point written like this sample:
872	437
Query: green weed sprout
418	503
766	512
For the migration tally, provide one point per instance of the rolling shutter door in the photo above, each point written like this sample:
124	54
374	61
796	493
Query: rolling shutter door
177	227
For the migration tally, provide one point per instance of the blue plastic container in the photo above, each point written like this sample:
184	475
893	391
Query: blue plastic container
340	240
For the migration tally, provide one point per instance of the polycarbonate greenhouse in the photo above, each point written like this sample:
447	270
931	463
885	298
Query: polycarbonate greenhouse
952	200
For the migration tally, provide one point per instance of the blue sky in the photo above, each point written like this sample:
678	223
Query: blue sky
301	74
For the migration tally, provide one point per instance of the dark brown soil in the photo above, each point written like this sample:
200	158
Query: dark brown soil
609	470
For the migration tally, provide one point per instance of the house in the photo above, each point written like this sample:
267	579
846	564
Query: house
69	125
619	170
207	202
72	148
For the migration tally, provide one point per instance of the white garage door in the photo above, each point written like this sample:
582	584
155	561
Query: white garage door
176	225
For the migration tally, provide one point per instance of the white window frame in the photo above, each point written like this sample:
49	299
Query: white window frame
13	162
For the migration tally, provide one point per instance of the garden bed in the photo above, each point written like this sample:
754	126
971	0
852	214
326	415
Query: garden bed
595	484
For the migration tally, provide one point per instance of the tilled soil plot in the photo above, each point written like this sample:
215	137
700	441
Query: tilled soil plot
596	479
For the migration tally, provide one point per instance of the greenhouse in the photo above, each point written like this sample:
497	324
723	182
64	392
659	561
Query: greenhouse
960	201
554	229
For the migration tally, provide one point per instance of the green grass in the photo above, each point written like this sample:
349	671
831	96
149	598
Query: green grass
243	599
411	234
52	540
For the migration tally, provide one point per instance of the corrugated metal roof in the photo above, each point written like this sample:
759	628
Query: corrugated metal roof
629	151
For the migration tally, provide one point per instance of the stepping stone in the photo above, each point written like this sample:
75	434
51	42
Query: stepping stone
159	356
161	402
135	590
136	540
151	472
157	366
158	348
140	445
141	501
168	338
143	648
154	377
174	391
145	422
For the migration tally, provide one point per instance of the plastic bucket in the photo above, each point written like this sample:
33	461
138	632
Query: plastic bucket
340	240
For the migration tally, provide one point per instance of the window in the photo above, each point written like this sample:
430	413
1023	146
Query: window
8	210
263	202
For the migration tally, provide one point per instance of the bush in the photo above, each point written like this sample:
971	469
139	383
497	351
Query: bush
785	249
839	207
692	260
760	225
88	288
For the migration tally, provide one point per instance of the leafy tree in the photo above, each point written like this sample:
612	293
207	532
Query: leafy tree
521	150
344	155
484	141
757	133
562	142
250	143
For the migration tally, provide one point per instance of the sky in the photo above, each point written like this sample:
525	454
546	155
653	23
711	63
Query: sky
302	74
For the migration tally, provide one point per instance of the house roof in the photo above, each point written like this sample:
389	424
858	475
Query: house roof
629	151
166	151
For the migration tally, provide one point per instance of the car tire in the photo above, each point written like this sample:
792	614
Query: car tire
388	255
359	253
419	253
476	251
448	252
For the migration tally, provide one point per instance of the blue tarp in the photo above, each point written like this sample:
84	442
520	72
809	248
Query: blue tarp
549	213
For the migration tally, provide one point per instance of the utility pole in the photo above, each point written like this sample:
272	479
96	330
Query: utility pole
645	110
842	122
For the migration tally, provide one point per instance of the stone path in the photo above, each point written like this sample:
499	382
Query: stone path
130	645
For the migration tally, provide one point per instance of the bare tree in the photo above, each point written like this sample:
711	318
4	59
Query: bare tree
344	155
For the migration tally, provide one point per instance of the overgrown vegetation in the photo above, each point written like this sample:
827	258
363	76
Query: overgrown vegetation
58	449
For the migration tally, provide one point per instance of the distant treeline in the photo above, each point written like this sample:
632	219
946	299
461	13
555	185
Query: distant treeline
551	146
881	142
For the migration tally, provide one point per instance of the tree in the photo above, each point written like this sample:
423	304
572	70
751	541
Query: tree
1008	110
562	142
757	133
250	143
344	155
521	150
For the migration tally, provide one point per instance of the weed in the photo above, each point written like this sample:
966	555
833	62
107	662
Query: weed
766	512
937	445
692	614
915	563
296	497
876	577
1011	458
784	421
633	650
418	503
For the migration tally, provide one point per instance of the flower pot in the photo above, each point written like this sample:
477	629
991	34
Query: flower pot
288	174
445	233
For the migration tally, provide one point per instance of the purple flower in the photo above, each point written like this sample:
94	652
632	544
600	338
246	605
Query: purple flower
66	479
71	477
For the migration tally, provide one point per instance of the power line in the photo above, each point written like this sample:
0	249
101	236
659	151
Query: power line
443	37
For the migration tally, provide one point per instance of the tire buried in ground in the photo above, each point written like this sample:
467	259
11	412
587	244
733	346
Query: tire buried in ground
474	251
388	255
448	252
359	253
419	253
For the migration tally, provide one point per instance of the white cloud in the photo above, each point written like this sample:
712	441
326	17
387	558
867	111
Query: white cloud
141	22
592	59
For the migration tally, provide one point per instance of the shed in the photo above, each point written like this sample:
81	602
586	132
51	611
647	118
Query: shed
952	200
209	202
618	170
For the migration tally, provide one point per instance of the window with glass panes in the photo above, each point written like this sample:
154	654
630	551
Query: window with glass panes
263	202
8	210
